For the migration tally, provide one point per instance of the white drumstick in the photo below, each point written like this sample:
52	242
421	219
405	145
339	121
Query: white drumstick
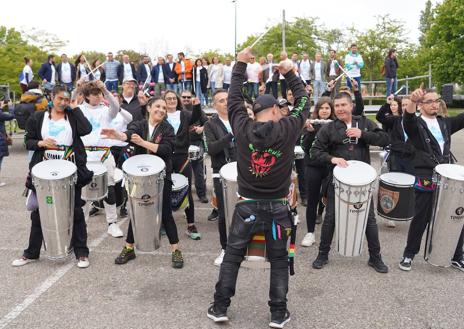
398	91
260	37
88	65
346	73
339	77
95	69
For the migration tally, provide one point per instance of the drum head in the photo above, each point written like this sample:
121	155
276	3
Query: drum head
97	167
194	148
179	181
143	165
452	171
357	173
53	169
229	172
118	175
299	150
398	178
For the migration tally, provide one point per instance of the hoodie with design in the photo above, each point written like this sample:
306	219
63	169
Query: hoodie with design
265	150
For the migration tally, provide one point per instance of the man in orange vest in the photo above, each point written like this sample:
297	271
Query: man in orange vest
184	72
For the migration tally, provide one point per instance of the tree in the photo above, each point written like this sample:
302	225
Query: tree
134	56
46	41
425	21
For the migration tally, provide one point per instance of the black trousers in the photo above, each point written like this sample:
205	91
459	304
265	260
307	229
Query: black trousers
328	227
300	171
283	88
79	233
166	217
222	228
271	87
251	218
198	169
314	179
423	215
181	165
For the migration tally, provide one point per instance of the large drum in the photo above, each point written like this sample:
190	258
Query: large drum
54	184
353	187
118	176
144	180
447	215
299	153
97	189
179	194
395	199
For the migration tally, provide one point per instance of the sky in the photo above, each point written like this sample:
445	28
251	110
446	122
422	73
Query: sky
158	28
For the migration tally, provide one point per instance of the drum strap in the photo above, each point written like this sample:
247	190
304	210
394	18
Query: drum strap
68	151
100	148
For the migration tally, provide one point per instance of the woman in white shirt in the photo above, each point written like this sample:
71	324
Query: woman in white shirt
216	75
81	68
26	74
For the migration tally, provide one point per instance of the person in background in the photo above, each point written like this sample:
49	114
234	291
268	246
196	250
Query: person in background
26	75
126	70
318	69
144	71
82	70
353	65
215	75
98	74
5	140
391	67
253	71
170	69
333	70
47	73
305	68
111	68
200	78
228	67
159	77
184	72
66	73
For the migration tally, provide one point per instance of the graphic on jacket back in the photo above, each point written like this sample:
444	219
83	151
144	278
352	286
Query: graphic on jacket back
263	161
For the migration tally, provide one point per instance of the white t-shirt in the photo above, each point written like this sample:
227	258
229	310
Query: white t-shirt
333	72
226	124
174	120
147	68
160	74
60	131
434	128
197	76
120	124
253	71
127	71
304	69
213	73
97	75
53	79
317	71
66	73
27	70
228	73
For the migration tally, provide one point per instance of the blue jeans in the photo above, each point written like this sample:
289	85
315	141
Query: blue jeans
112	85
69	86
172	86
253	89
319	88
212	85
392	86
199	94
358	80
185	85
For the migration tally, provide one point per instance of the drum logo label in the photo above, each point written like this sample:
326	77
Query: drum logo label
460	214
49	199
388	199
357	208
263	161
93	185
146	201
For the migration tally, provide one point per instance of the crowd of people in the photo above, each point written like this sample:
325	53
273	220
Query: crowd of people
159	111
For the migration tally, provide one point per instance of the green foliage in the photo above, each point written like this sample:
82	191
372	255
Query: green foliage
214	53
134	56
425	21
91	56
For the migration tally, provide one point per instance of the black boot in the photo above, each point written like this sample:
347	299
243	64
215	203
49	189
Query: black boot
375	261
321	260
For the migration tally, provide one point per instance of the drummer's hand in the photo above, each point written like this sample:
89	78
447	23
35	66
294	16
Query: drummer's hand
109	133
417	95
143	99
339	162
47	143
331	85
390	99
136	139
354	132
101	86
308	125
355	85
245	55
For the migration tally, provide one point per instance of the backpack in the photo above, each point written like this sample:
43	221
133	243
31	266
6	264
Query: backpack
22	112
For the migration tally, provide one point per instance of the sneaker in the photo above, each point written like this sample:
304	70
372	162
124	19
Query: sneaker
126	255
279	320
377	263
459	264
22	261
115	231
83	262
93	211
220	258
320	261
192	232
216	315
123	212
391	223
213	216
177	259
318	219
203	199
405	264
308	240
2	184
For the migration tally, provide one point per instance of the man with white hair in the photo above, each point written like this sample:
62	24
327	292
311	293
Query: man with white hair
126	70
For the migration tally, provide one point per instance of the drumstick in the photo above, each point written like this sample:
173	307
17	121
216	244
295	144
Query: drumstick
95	69
88	65
398	91
260	37
346	73
339	77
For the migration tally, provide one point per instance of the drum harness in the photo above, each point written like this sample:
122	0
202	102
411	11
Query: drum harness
106	150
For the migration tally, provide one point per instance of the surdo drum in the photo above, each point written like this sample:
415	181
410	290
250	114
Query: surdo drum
144	180
54	182
97	189
395	199
353	188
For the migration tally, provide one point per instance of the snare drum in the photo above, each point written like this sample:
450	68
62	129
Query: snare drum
194	153
54	184
447	215
395	199
353	188
97	189
179	194
299	153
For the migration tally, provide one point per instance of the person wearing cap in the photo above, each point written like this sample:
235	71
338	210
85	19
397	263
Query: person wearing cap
265	153
130	101
347	138
50	134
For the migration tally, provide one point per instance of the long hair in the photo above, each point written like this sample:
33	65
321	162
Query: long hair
321	101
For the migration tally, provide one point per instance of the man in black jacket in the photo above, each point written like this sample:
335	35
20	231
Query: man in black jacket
221	147
130	101
431	136
347	138
66	73
126	70
265	153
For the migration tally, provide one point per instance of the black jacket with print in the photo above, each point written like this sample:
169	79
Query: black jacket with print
163	135
265	150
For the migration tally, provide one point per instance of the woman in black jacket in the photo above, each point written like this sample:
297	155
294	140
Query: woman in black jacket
71	123
200	79
4	116
153	136
181	120
316	172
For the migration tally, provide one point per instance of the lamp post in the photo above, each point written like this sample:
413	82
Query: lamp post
235	36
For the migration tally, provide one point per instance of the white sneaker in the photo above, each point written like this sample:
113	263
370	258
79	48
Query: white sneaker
83	262
22	261
308	240
115	231
2	184
220	258
391	223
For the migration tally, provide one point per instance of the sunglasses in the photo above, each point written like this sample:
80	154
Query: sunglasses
187	97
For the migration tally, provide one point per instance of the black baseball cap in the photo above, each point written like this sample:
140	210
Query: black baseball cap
264	102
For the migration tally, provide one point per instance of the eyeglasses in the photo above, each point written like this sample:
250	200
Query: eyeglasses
186	97
170	98
432	101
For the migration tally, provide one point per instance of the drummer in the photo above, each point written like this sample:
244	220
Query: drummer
97	148
347	138
181	120
153	136
56	133
431	136
265	153
222	149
